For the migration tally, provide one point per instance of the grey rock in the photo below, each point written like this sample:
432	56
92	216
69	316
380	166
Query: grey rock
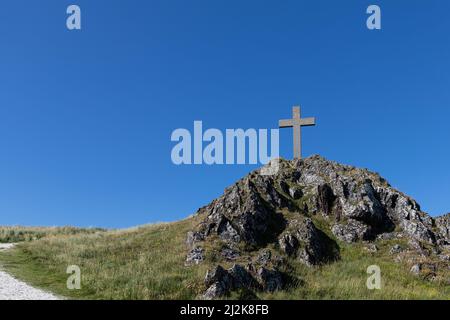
428	270
242	278
218	274
216	290
444	243
325	199
193	237
415	269
368	207
227	232
310	245
407	214
396	249
288	243
295	193
195	256
372	248
264	258
390	236
352	231
443	227
242	214
221	282
270	280
229	254
416	246
418	230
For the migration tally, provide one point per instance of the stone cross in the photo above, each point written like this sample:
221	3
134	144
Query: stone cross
297	123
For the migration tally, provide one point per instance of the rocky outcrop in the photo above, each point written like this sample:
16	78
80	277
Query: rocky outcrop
352	231
304	211
443	230
307	243
195	256
242	214
220	282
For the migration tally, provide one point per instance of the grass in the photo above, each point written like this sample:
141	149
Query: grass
20	234
346	279
148	263
139	263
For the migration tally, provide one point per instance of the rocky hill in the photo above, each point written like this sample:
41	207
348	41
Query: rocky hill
305	213
309	232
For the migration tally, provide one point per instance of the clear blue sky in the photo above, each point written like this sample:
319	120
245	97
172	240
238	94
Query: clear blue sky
86	116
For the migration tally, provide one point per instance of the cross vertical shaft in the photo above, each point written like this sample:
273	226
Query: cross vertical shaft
297	138
297	123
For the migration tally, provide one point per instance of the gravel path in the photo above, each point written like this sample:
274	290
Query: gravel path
13	289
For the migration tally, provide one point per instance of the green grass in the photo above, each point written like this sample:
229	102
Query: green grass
139	263
20	234
346	279
148	263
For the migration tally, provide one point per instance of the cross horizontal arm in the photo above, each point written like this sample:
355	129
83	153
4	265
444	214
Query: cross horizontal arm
285	123
308	122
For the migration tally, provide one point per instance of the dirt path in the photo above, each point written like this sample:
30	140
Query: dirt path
13	289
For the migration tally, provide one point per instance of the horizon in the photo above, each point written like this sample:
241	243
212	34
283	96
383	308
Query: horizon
189	215
86	115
